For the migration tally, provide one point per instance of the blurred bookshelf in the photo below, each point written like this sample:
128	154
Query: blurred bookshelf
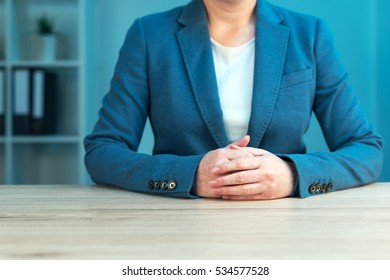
54	157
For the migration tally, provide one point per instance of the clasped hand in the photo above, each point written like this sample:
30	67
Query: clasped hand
238	172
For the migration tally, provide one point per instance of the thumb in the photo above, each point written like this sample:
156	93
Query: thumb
243	142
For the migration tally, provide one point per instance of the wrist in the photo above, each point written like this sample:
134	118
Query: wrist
293	169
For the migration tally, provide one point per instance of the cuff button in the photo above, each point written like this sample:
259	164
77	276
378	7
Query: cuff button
318	188
157	185
312	189
151	185
172	185
164	185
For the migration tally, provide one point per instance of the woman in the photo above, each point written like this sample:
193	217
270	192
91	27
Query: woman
221	71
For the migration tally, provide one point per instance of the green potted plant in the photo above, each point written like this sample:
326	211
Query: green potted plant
45	28
45	25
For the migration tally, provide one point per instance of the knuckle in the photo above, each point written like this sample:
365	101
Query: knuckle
246	191
240	177
217	192
240	163
220	181
270	191
219	152
269	176
249	154
222	168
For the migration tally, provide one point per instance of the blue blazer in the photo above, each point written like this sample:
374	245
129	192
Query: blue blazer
165	71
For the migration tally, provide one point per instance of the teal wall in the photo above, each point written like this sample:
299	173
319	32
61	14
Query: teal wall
383	80
361	31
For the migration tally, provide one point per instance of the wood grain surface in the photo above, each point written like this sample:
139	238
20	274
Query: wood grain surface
96	222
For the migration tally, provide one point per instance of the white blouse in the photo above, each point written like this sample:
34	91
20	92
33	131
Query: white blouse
234	68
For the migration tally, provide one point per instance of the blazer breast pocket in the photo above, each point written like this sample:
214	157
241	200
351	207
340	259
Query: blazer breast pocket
296	78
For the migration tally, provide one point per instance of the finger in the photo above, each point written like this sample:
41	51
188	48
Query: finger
238	164
234	154
240	191
236	178
243	142
245	197
254	151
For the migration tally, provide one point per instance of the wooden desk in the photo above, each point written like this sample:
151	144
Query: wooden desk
90	222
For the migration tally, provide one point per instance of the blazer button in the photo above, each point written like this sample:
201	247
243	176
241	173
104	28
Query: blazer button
172	185
318	188
157	185
151	185
164	185
312	189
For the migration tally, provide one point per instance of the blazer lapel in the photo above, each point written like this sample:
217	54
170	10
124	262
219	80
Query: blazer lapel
194	41
270	53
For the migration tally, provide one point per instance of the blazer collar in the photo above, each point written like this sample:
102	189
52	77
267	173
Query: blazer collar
192	13
268	13
270	53
195	45
271	47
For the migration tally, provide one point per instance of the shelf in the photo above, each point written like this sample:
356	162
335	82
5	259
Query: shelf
55	158
41	139
44	139
46	64
58	64
24	36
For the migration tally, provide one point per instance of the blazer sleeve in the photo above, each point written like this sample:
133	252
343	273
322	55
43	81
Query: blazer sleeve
111	149
355	150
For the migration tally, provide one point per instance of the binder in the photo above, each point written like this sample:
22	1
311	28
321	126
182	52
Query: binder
2	102
43	102
21	102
